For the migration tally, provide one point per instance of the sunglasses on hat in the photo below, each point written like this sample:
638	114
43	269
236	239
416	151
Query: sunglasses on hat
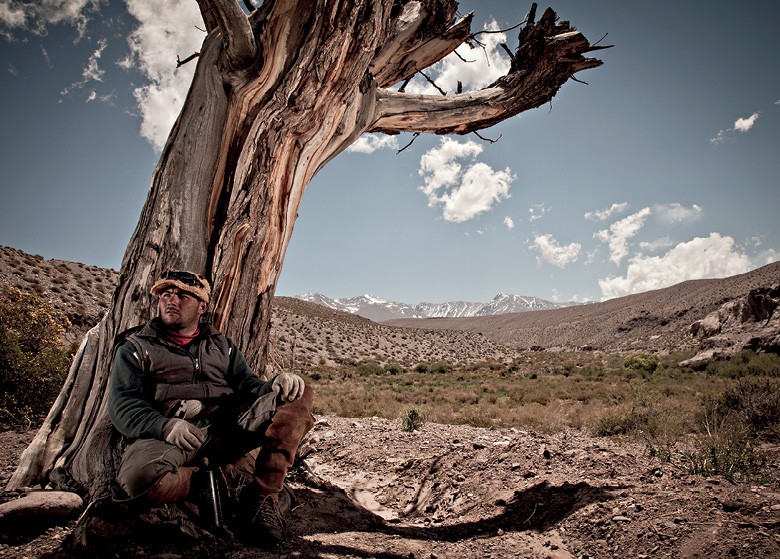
186	278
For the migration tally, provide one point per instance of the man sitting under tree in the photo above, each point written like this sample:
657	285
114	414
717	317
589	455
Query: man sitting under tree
185	396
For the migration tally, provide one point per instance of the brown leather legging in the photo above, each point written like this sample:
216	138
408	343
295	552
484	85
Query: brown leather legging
147	461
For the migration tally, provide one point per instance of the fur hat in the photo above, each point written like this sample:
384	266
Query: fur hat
190	282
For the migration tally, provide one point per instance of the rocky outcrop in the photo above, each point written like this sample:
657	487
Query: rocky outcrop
750	322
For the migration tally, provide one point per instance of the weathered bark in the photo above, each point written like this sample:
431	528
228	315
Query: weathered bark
276	95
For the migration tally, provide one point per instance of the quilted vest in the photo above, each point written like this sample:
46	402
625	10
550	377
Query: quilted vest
172	372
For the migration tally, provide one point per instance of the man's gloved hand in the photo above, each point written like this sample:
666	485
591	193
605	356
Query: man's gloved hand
183	434
288	386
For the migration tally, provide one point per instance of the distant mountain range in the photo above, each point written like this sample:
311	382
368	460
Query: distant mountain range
380	310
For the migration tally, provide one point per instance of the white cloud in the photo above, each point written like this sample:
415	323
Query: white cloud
91	71
537	211
719	138
165	30
468	193
766	257
36	17
740	125
553	252
745	124
676	213
12	14
620	232
509	223
656	245
483	66
601	215
480	188
703	257
369	143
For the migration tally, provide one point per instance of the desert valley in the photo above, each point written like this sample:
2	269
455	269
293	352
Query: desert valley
643	426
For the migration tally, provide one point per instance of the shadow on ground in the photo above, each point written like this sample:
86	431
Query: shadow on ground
326	510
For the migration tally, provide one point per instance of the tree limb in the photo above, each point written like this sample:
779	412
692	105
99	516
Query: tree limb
208	14
237	36
549	54
414	47
180	62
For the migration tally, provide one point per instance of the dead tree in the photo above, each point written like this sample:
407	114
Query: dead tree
276	95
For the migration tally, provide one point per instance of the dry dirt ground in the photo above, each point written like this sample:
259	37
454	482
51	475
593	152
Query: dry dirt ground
370	490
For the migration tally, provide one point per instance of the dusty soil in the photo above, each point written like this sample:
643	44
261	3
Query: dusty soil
369	489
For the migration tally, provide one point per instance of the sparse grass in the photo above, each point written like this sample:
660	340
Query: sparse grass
412	420
539	392
644	398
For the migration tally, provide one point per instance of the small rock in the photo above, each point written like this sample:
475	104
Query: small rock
546	454
620	518
732	505
51	504
774	507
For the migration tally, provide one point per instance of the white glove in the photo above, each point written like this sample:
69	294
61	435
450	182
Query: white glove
183	434
288	386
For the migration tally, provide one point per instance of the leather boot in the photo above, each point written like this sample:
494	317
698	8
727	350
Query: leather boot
288	426
171	487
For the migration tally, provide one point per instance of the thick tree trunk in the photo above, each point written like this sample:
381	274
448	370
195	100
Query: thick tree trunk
276	95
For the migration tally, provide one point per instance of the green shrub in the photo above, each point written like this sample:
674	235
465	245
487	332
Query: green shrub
33	365
625	422
394	368
412	420
641	362
745	363
369	369
725	446
756	403
441	367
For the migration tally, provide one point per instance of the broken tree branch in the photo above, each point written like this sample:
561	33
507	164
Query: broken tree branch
433	83
414	137
180	62
237	36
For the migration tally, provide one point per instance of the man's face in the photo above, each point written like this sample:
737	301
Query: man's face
179	310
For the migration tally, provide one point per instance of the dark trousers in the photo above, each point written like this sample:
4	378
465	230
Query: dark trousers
277	428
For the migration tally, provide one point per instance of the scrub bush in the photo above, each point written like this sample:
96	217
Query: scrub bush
33	363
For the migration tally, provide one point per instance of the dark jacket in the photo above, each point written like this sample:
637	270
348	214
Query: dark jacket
150	370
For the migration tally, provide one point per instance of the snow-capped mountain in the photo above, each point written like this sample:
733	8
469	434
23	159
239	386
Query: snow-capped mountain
379	310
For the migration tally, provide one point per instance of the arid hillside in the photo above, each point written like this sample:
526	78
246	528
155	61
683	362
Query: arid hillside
308	333
655	321
79	291
312	335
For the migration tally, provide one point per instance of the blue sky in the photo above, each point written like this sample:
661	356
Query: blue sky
664	168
